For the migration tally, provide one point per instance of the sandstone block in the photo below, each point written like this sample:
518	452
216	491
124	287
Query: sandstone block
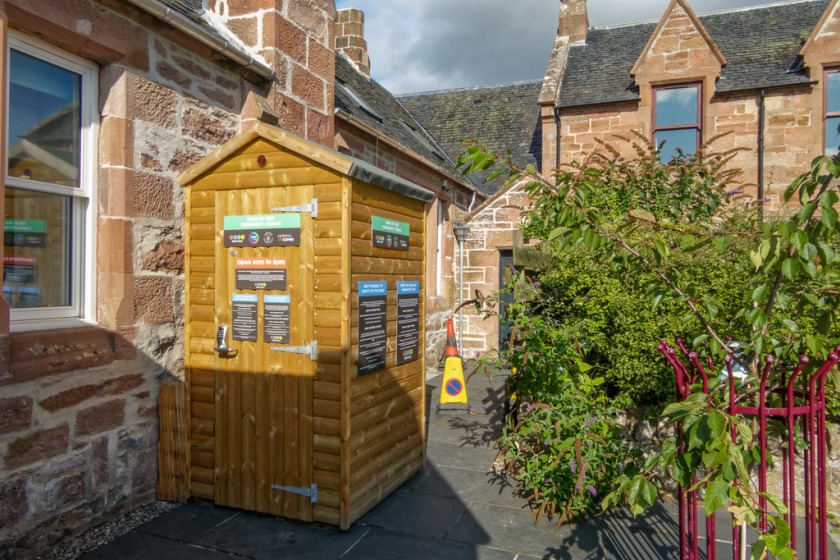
120	385
151	102
153	196
14	503
15	414
167	256
68	398
203	125
38	446
153	297
64	491
101	417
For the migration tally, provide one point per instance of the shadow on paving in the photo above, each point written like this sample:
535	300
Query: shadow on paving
453	510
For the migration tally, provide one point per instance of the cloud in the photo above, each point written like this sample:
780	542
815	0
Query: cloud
443	44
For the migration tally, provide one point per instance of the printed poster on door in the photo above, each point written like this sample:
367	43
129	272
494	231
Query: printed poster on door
373	320
244	312
389	234
276	318
260	274
262	230
408	322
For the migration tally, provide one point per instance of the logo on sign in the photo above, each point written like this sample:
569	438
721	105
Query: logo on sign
253	238
454	387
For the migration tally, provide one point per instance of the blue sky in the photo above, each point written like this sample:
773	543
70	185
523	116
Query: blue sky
425	45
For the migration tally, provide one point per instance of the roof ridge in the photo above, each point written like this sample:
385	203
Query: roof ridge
714	13
470	88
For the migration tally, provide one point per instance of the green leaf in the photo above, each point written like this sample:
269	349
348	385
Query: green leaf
760	293
790	268
717	492
717	424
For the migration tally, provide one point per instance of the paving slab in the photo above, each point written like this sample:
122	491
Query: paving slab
452	510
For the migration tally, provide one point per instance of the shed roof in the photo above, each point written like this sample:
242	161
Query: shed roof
505	118
330	159
761	45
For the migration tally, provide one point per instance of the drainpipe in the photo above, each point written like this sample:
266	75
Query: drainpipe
557	135
234	52
461	229
761	156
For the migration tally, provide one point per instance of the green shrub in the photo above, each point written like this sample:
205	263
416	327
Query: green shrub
565	454
605	310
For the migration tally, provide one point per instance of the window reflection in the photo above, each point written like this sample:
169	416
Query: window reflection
45	121
832	113
36	252
676	121
676	106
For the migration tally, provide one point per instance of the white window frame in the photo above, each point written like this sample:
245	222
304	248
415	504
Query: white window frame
82	215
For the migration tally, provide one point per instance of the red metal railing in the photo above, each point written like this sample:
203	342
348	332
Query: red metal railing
804	404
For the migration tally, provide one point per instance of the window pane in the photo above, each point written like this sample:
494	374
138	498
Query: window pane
676	106
832	136
833	93
37	249
686	139
44	121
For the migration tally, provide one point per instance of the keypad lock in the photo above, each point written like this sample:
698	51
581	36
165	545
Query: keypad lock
221	342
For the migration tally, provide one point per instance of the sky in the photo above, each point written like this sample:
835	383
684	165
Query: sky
428	45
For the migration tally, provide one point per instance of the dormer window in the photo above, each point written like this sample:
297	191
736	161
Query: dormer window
677	117
832	112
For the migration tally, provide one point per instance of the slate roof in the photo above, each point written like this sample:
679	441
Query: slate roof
376	107
761	45
504	117
192	9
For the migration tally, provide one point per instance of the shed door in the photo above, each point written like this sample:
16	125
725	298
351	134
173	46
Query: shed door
264	397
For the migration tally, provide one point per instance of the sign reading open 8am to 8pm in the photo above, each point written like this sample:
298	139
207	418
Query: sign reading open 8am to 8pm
373	320
389	234
262	230
260	274
408	321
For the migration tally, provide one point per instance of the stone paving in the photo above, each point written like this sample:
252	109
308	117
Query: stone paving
453	510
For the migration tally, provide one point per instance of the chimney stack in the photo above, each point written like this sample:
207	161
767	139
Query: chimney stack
350	38
574	21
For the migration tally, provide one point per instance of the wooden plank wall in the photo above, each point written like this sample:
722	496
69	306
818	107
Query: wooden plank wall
385	427
199	338
332	331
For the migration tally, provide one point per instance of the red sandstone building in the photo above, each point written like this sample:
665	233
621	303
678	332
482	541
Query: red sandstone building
769	76
107	103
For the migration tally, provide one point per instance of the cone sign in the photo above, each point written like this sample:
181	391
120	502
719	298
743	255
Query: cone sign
454	388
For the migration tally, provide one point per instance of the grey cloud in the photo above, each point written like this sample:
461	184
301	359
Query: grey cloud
421	45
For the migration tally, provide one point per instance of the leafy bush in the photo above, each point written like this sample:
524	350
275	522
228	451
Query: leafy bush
606	309
565	454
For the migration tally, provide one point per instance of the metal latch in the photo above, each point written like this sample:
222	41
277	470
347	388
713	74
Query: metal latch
311	492
311	350
311	208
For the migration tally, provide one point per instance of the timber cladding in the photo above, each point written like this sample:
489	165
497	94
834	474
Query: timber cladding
264	410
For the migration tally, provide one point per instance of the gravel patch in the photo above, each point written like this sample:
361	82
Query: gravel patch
107	532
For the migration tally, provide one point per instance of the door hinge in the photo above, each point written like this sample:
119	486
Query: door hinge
311	350
311	492
312	208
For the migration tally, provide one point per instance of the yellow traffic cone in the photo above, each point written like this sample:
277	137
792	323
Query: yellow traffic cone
454	388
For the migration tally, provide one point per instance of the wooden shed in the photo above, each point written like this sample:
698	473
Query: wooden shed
304	329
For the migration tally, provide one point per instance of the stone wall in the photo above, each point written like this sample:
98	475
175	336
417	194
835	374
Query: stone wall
491	228
78	412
